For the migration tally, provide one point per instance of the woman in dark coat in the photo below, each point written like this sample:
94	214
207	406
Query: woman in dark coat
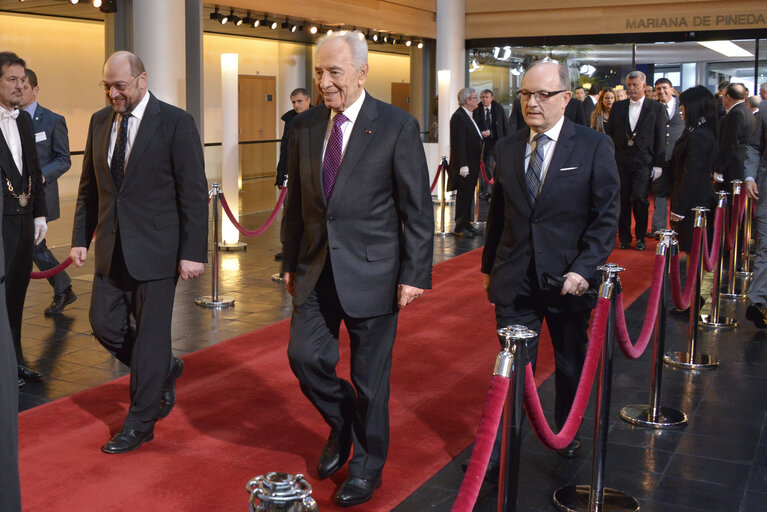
693	161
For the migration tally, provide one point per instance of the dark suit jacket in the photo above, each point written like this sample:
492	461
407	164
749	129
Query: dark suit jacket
763	143
20	183
516	119
499	127
161	210
573	224
465	147
282	165
588	107
735	134
756	148
377	226
53	153
575	112
674	129
649	149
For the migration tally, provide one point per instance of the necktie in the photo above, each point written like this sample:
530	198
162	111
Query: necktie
488	119
535	167
11	134
117	166
333	155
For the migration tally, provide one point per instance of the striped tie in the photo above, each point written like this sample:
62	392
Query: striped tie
535	167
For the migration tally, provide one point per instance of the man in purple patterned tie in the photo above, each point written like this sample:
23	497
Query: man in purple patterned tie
358	248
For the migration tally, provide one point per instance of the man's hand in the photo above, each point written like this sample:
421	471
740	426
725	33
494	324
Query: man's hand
486	133
675	217
41	228
464	171
78	255
751	189
290	282
407	294
575	284
656	173
190	269
718	178
486	285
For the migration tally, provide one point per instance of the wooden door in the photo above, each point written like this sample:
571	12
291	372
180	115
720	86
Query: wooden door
257	122
400	95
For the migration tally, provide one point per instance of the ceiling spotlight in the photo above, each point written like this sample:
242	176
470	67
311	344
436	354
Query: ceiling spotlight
408	42
313	29
96	3
376	37
247	20
74	2
217	16
290	26
393	40
236	20
420	44
385	39
266	22
108	6
273	25
330	32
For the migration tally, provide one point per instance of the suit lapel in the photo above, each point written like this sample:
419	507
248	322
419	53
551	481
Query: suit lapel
362	132
316	140
518	152
146	130
643	113
561	152
101	132
6	160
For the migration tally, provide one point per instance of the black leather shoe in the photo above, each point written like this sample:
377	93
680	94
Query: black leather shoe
168	399
335	453
22	382
463	233
757	314
640	245
356	490
625	245
474	230
127	440
60	301
29	374
571	449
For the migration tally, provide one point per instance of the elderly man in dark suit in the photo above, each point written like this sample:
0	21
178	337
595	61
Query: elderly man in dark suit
465	154
638	129
53	153
491	119
24	208
143	193
358	247
674	127
554	210
735	133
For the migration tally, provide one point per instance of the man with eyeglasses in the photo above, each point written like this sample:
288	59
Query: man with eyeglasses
143	193
554	210
638	129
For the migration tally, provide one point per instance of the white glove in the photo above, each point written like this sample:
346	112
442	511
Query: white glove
41	228
464	171
656	172
718	177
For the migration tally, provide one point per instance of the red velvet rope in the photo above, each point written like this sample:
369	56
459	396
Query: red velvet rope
484	173
681	298
266	225
575	416
45	274
483	446
738	207
436	178
633	351
710	258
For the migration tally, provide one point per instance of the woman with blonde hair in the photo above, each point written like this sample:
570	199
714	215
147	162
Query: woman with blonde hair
601	113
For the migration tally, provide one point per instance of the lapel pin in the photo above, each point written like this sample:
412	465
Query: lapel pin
368	132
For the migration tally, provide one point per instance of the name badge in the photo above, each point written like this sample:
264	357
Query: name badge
40	137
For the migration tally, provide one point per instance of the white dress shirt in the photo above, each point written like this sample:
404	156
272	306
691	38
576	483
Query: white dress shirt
133	124
548	148
635	108
11	135
351	113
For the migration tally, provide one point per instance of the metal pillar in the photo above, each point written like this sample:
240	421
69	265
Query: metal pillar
713	320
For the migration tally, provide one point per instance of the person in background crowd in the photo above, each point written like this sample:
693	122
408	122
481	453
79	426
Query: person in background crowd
649	92
692	162
53	153
465	154
301	100
358	248
638	129
591	101
491	119
620	94
763	91
24	208
737	129
579	93
755	182
720	90
146	236
554	210
601	113
754	103
661	187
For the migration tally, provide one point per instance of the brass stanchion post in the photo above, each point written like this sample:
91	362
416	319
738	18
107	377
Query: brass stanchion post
732	266
713	320
691	360
443	201
214	301
653	415
515	340
595	497
745	254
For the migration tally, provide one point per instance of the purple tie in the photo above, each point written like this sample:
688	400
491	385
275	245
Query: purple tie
333	155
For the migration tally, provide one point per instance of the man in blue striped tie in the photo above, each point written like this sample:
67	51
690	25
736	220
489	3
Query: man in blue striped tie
554	209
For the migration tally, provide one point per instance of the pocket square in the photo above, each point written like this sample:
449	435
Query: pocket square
563	169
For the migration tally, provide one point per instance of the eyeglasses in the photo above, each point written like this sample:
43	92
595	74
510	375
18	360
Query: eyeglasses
120	86
540	96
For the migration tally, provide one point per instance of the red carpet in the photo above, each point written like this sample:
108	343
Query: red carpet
240	414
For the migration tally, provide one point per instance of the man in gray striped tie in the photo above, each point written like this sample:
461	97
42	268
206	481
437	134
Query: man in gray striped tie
554	210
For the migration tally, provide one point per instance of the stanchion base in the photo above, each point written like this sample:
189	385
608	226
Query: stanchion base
698	362
719	323
745	274
443	234
277	278
233	247
575	498
221	301
733	296
640	414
